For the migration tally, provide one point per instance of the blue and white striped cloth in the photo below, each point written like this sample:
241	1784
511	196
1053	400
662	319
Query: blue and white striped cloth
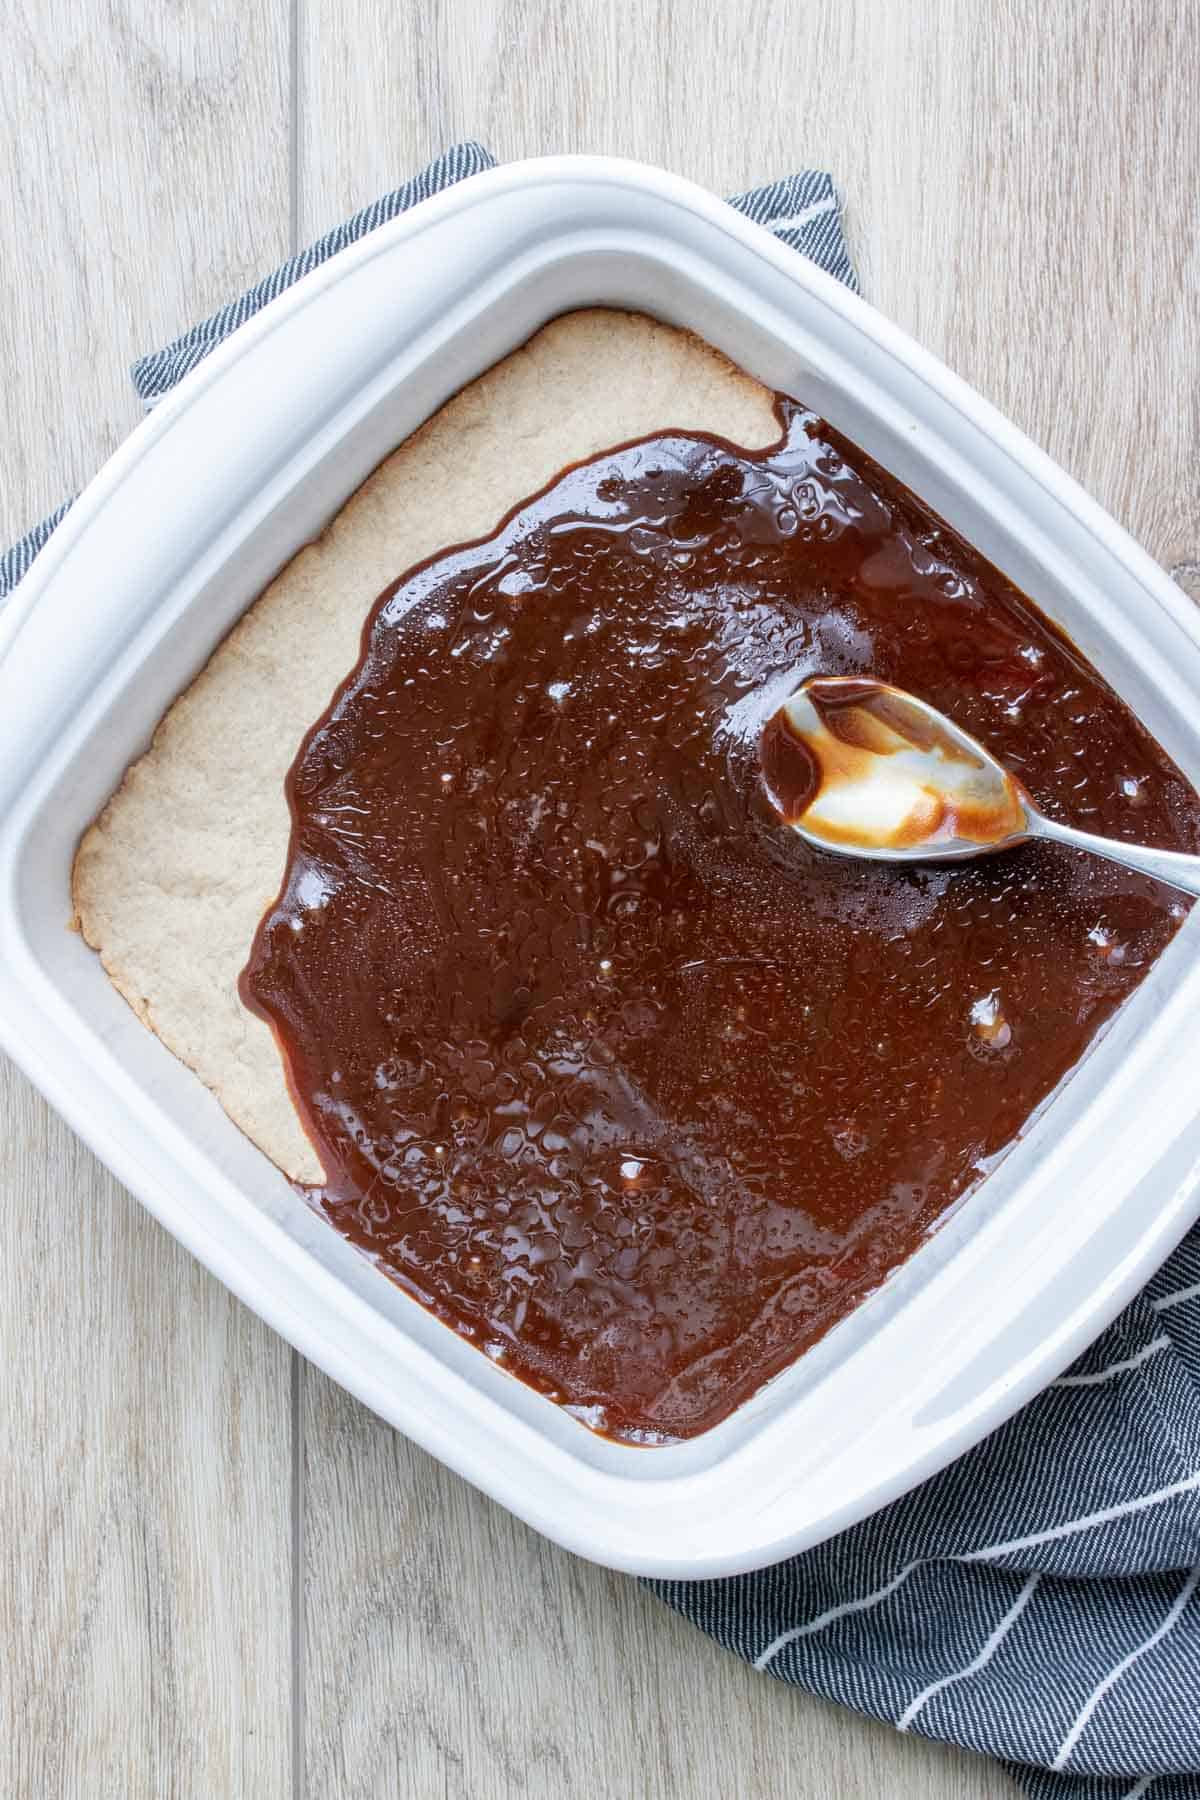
1038	1600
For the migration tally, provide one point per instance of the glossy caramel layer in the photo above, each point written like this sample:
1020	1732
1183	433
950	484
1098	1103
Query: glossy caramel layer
626	1083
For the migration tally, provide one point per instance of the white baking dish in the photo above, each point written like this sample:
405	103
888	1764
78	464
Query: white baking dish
242	464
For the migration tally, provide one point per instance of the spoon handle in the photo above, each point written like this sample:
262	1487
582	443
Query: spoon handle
1172	866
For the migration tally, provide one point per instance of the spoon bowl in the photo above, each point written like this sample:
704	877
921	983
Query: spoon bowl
864	769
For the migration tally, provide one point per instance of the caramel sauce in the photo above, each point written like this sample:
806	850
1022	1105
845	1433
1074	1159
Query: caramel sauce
624	1081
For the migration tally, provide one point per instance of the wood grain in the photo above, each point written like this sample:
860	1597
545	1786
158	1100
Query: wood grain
1020	186
1047	173
145	1522
144	1497
451	1651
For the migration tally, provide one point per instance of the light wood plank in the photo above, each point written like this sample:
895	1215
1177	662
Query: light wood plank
1020	192
144	1496
450	1651
146	179
145	1526
1045	163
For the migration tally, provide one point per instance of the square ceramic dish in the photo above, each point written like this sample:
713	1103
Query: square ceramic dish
242	464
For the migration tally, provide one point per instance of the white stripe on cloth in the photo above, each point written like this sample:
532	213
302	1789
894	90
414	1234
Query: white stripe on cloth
793	221
1153	1348
832	1616
973	1667
1070	1527
1139	1788
1114	1675
1165	1301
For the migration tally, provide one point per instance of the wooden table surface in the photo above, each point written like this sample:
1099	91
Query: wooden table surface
220	1575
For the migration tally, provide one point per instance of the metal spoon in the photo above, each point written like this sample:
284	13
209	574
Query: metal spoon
865	769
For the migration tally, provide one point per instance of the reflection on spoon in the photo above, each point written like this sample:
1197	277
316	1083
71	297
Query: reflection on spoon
865	769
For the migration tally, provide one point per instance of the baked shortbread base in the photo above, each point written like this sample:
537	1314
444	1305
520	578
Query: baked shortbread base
171	880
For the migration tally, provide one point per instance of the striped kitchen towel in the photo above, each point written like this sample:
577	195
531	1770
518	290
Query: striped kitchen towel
1038	1600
